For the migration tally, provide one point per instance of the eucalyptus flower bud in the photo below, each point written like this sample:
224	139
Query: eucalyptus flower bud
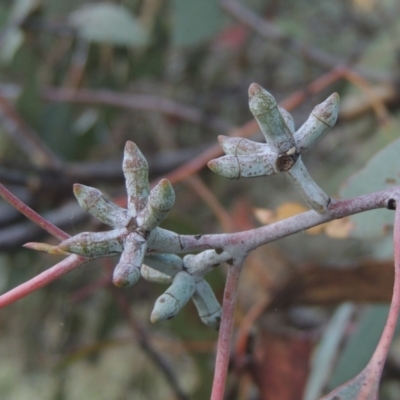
236	146
160	201
207	305
94	244
94	202
246	166
201	264
169	264
177	295
322	118
265	110
136	172
127	271
152	275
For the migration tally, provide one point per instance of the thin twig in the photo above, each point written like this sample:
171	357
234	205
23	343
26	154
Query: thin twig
63	267
32	215
143	102
249	240
226	330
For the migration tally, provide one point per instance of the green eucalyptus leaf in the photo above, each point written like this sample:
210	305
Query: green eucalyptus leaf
195	21
380	173
108	23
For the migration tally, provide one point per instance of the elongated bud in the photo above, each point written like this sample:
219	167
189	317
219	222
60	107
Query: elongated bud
164	241
127	271
176	296
315	197
136	172
322	118
152	275
94	202
239	146
207	305
265	110
161	268
169	264
94	244
201	264
247	166
288	119
160	201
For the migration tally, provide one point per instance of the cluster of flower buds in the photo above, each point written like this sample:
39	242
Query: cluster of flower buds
142	243
187	281
283	147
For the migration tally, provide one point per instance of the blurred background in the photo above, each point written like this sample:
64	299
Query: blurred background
80	78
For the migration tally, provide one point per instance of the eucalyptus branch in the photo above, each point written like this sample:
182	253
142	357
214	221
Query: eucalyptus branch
365	386
150	252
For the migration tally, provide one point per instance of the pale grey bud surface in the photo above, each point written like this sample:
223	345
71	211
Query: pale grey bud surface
136	172
94	244
94	202
207	305
160	201
322	118
127	271
265	110
175	297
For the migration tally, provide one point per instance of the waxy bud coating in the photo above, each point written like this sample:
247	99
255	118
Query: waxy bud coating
207	305
322	118
169	264
236	146
288	119
136	172
94	202
160	201
152	275
176	296
164	241
94	244
201	264
247	166
265	110
127	271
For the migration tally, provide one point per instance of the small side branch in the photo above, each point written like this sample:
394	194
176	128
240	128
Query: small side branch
226	329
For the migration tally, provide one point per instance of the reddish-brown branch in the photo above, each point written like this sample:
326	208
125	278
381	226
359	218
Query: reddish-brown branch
67	265
145	102
32	215
225	333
